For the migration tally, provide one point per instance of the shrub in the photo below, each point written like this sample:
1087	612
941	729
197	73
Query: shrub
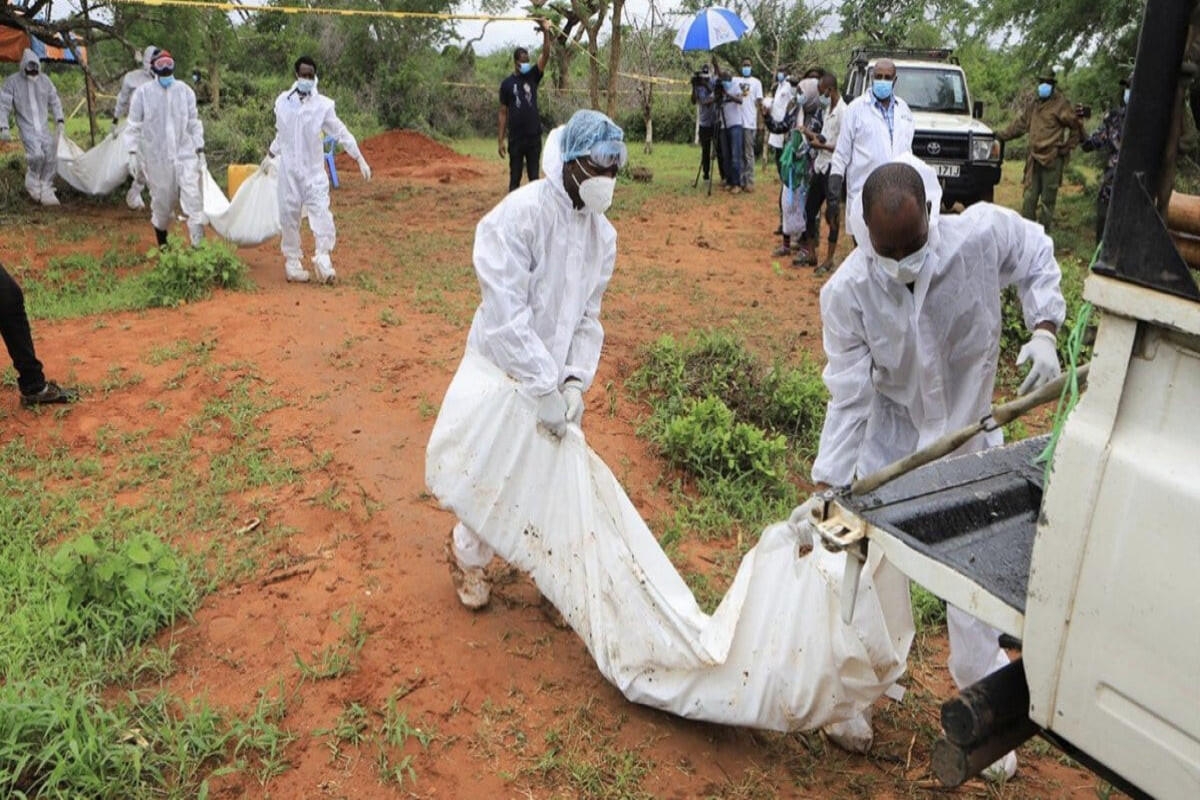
707	440
182	274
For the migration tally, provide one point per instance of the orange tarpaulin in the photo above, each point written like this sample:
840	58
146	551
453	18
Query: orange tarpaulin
14	42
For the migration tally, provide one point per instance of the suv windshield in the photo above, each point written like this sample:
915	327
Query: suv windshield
932	89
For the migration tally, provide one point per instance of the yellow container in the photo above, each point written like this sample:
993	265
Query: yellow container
236	174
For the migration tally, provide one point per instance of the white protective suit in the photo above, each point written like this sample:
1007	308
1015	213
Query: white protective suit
166	133
34	102
301	122
905	367
134	80
864	142
543	267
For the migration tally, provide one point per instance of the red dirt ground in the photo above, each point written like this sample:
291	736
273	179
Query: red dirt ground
362	367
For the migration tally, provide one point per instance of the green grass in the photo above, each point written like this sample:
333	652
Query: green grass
86	581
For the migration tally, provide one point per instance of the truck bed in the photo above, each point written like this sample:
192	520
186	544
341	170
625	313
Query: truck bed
976	514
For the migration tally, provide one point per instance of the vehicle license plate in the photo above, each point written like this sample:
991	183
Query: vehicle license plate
946	170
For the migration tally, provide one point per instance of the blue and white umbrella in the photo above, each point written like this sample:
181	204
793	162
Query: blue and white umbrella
710	28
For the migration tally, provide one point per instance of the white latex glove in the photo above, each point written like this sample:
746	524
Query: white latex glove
268	165
573	395
202	161
552	413
1042	351
364	168
134	165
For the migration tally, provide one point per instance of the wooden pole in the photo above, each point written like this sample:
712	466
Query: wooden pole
88	84
1183	213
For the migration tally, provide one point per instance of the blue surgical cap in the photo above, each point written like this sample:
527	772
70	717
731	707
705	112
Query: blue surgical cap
586	129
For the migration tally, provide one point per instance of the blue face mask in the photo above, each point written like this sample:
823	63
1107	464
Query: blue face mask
525	67
305	85
1044	90
824	101
780	76
746	72
165	81
882	89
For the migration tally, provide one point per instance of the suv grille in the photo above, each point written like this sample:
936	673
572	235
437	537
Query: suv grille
941	146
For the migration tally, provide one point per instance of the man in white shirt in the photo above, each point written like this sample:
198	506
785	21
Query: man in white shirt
776	106
877	127
752	95
824	143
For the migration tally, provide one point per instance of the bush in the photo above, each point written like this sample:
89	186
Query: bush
706	440
183	274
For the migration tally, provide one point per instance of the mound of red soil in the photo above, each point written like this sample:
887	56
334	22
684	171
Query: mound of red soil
408	154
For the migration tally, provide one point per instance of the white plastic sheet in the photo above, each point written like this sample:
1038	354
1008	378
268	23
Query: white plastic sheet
98	171
252	217
774	655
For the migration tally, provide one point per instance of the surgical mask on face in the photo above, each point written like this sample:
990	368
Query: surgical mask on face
1044	90
906	269
305	85
165	81
745	72
825	101
882	88
1126	97
780	76
524	66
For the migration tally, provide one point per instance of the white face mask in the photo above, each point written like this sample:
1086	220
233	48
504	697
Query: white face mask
906	269
597	193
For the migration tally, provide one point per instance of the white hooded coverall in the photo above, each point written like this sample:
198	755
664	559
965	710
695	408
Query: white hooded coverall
543	267
134	80
301	121
905	367
34	101
166	132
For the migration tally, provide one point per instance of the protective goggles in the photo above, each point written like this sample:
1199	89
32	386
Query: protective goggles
163	65
608	154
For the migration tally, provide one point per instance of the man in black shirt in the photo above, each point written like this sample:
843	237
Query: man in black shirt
519	112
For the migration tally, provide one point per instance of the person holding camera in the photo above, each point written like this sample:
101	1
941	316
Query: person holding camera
705	100
729	102
1054	130
1107	139
519	116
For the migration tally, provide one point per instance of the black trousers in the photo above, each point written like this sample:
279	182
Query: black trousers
818	189
706	150
14	326
524	155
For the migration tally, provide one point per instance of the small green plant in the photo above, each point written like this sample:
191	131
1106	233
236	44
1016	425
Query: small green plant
350	728
183	274
395	732
337	659
929	611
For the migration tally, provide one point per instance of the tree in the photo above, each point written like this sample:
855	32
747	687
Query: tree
614	55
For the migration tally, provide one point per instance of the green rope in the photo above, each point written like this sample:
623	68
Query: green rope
1070	392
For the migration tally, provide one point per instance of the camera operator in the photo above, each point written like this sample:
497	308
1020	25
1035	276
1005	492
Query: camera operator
705	100
729	100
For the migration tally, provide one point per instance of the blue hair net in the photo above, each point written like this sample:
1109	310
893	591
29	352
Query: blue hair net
585	130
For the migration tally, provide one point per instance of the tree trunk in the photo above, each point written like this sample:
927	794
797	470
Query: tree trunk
648	117
614	57
593	71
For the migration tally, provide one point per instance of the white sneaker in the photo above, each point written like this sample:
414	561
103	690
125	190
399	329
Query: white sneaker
1002	769
295	272
324	267
49	198
853	735
472	584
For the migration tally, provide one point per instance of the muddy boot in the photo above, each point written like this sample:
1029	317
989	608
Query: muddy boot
472	584
853	735
324	267
295	271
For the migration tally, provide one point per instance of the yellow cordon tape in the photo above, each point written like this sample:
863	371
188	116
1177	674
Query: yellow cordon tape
362	12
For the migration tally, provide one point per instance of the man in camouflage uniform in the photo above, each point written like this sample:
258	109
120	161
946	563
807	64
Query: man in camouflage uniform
1107	139
1053	130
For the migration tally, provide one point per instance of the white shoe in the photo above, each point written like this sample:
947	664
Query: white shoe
853	735
472	584
134	200
324	267
295	272
49	198
1002	769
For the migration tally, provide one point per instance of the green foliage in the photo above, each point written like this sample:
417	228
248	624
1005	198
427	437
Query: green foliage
929	610
739	428
183	274
119	593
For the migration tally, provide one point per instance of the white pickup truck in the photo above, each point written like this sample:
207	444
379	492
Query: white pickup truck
1095	569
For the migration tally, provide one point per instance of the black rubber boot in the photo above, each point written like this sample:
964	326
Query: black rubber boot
161	236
